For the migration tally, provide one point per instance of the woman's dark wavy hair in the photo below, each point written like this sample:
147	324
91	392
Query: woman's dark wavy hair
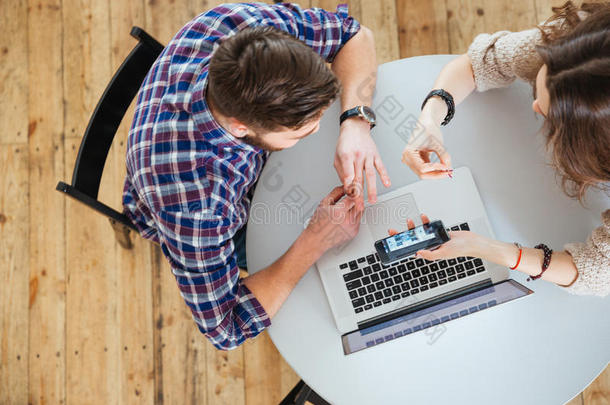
577	55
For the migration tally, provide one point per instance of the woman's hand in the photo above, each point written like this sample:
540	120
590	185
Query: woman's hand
426	140
462	243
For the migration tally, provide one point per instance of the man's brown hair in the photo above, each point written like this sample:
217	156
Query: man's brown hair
268	79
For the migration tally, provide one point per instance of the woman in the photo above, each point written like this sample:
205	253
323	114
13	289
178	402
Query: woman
567	60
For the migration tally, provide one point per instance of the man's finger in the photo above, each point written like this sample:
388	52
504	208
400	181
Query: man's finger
392	232
347	203
383	173
356	215
334	196
410	224
347	166
371	181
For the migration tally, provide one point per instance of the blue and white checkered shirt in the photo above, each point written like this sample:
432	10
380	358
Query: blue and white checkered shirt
188	179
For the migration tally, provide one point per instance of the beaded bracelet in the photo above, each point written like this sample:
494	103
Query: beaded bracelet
447	98
548	252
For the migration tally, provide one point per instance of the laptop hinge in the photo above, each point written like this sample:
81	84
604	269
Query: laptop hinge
425	303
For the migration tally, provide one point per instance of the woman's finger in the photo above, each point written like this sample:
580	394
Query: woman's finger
413	160
445	158
435	175
430	254
425	219
434	167
410	224
392	232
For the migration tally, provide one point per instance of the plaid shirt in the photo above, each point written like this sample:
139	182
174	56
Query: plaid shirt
188	180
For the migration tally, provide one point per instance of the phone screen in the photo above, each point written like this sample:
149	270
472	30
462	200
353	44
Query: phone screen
409	242
409	238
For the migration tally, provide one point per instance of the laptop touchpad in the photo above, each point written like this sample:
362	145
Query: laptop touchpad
392	213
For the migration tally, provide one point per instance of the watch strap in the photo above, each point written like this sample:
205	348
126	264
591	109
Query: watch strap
357	111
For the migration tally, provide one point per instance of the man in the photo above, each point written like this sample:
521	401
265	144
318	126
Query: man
233	84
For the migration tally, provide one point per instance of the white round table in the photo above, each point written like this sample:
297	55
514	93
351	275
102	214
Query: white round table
542	349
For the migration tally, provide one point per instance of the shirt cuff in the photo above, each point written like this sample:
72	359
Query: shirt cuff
252	314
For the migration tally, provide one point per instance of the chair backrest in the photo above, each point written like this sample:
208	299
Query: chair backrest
104	123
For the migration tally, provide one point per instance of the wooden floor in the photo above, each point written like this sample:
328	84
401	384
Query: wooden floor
84	321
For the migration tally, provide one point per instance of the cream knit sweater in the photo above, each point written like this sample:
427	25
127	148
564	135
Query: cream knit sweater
497	60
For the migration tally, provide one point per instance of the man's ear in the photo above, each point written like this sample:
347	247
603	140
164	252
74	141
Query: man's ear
237	128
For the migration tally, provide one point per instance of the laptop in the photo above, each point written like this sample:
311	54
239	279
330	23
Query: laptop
373	303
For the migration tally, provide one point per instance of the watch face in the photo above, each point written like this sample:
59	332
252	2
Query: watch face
369	114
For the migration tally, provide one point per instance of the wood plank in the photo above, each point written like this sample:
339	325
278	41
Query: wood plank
380	17
92	342
577	400
225	376
423	27
288	377
92	332
164	19
508	15
262	371
135	308
465	19
354	6
134	294
179	349
47	206
598	393
468	18
87	68
13	72
14	273
544	8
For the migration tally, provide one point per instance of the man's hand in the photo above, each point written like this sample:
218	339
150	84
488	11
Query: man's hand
357	153
336	220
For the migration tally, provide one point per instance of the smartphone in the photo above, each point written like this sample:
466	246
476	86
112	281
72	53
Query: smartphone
409	242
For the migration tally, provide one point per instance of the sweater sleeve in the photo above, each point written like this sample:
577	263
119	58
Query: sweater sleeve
592	259
500	58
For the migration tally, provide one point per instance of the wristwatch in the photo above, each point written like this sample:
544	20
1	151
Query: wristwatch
361	111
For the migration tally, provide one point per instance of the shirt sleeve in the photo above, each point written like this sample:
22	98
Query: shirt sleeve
324	31
592	259
201	253
500	58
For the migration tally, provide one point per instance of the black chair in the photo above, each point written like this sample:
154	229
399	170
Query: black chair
95	146
102	128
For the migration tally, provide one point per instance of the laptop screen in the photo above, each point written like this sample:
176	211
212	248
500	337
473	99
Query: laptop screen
431	318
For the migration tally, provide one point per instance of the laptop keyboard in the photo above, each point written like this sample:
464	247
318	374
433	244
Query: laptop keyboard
371	284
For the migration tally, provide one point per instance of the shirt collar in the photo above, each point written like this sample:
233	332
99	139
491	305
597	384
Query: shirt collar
209	128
